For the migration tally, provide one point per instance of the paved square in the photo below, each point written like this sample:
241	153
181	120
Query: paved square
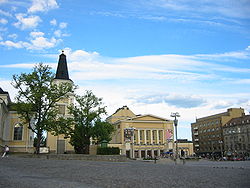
42	173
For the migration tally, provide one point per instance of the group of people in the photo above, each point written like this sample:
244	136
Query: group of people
6	151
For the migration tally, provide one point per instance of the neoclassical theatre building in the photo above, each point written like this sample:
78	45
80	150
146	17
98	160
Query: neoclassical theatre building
141	136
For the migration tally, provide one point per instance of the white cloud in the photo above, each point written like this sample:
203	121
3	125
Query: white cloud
177	68
3	21
173	99
6	86
13	36
11	44
58	33
7	14
27	22
63	25
20	65
155	18
3	1
42	5
36	34
229	55
53	22
236	9
40	43
37	42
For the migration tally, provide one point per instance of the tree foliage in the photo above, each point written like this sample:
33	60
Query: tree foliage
87	119
37	98
102	131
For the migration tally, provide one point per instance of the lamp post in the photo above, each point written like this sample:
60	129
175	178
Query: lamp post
220	142
132	130
175	115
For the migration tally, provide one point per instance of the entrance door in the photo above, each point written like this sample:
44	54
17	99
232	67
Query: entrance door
60	146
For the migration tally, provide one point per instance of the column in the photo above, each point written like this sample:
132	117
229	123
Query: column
139	153
146	153
138	136
151	136
158	153
152	153
157	136
145	137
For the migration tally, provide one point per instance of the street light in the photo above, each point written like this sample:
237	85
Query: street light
175	115
221	142
130	133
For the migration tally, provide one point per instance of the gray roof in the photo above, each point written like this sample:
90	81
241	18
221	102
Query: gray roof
245	119
62	69
2	91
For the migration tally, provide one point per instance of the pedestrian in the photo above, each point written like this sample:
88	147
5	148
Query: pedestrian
6	151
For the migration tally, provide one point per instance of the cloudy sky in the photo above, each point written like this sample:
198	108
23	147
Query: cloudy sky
155	56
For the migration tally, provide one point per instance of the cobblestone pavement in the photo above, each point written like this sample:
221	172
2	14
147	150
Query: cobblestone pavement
41	173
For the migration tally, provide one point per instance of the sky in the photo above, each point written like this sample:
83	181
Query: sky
155	56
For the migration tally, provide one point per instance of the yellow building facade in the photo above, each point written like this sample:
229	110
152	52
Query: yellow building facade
13	132
185	148
141	136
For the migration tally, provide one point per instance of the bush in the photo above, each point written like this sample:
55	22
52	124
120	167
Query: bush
108	151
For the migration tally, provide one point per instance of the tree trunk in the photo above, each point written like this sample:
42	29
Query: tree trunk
86	149
39	137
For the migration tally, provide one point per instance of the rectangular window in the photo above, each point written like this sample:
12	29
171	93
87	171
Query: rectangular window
160	135
148	133
18	132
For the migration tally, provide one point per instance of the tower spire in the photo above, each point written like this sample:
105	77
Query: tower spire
62	69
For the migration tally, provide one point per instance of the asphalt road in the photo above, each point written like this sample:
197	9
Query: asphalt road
41	173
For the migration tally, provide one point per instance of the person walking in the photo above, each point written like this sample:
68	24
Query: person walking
6	151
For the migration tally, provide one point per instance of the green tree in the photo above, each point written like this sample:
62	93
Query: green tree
102	130
87	119
37	98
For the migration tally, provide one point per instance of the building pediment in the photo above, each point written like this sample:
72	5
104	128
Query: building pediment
148	117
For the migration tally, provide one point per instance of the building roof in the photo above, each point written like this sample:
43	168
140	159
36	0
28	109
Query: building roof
245	119
219	115
62	68
125	114
2	91
152	117
184	141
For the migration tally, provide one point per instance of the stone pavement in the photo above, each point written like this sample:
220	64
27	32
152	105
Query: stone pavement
43	173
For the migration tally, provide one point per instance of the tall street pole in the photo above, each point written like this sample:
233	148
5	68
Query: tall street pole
175	115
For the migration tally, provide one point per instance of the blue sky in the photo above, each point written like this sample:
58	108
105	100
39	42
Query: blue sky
156	56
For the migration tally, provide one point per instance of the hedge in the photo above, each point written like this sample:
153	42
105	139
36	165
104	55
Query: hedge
108	151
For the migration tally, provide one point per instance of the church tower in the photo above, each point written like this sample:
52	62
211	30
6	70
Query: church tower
62	74
60	144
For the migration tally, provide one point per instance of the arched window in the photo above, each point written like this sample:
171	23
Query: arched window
18	132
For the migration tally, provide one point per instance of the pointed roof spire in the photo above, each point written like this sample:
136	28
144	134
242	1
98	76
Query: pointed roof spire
62	69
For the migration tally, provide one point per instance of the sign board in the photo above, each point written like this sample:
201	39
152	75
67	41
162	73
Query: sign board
128	133
169	135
